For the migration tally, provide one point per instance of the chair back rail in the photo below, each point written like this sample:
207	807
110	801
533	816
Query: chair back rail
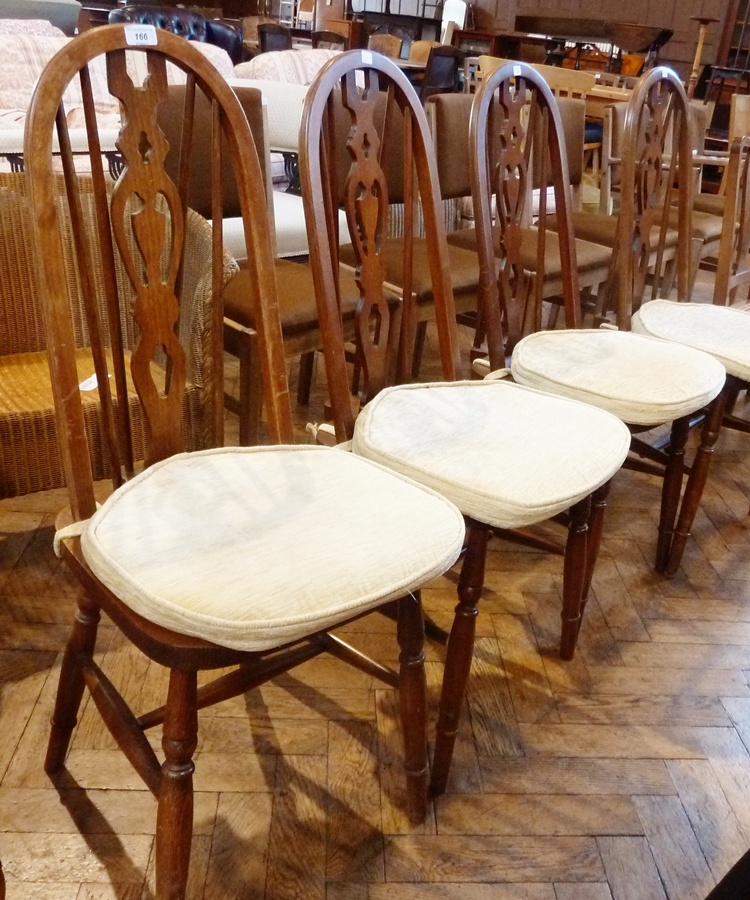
732	269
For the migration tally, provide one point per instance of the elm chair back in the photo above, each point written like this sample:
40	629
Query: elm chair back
385	110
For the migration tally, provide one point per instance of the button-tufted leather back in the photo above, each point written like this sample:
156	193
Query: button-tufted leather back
188	24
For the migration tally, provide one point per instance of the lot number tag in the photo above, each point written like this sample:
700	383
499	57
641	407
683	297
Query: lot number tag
140	35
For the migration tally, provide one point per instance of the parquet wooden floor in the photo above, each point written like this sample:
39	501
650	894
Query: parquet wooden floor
622	775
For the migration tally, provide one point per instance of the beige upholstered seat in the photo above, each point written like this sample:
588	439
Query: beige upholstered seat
619	371
719	330
443	435
253	548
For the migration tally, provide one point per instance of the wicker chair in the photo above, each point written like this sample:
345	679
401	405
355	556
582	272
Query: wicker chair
29	457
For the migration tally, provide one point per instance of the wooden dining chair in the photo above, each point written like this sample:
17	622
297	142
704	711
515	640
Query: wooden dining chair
272	36
508	456
646	382
229	558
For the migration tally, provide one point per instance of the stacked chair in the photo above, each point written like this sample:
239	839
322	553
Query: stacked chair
507	455
232	559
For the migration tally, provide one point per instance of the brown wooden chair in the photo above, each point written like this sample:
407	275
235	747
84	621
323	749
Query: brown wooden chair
419	51
646	382
328	40
236	559
272	36
508	456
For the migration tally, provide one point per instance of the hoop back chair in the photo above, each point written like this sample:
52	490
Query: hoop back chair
484	444
646	382
197	557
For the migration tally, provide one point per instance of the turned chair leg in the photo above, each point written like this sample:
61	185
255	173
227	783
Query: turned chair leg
79	651
174	817
671	489
413	702
459	653
596	528
696	483
575	571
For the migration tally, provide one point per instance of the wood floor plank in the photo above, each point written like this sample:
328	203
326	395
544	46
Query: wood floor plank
540	814
482	858
355	843
725	682
537	775
677	853
239	850
493	709
631	870
635	709
527	680
296	864
612	741
711	817
582	892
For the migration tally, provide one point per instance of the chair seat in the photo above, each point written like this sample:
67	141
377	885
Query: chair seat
709	203
252	548
602	229
506	455
642	380
297	306
589	254
722	331
463	263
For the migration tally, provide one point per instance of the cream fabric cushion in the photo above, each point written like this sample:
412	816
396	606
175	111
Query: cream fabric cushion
642	380
504	454
722	331
253	547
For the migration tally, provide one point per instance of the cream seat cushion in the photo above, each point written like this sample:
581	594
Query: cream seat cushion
642	380
504	454
254	547
722	331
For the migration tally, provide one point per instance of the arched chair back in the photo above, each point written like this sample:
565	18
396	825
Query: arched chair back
517	143
359	104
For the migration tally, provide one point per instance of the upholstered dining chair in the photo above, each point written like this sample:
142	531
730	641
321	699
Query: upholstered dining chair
508	456
387	44
449	116
236	559
296	296
645	381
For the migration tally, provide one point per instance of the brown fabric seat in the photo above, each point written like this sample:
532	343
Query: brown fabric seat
294	281
589	255
464	269
601	229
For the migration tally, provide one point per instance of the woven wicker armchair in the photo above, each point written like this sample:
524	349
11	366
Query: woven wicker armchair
29	458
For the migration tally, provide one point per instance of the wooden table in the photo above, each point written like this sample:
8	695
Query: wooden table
602	96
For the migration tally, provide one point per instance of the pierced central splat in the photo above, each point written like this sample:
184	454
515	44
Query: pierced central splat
145	147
